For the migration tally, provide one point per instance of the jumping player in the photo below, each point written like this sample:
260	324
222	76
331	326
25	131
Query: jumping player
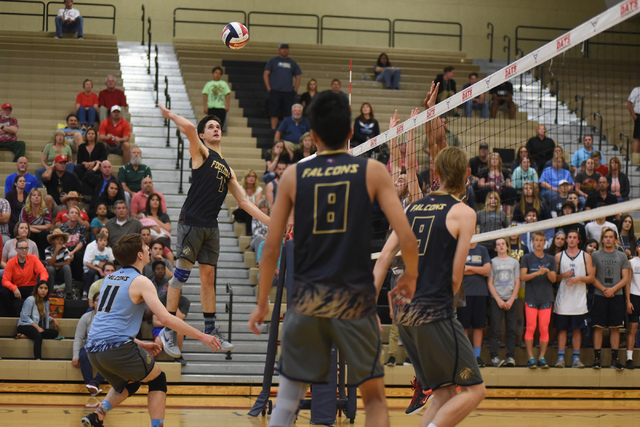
198	233
433	338
333	300
111	347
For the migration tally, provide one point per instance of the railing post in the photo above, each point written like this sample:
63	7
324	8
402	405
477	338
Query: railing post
167	98
149	48
522	74
581	108
490	37
541	80
180	159
557	98
507	48
229	309
142	43
155	86
628	156
596	116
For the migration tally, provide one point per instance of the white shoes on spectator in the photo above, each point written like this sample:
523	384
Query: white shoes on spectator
94	390
169	339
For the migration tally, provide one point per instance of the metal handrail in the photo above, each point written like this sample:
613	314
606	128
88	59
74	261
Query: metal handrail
26	14
156	84
357	30
112	18
507	48
590	42
627	157
299	27
229	309
142	42
557	98
167	101
581	108
490	37
415	33
149	48
176	21
180	158
596	116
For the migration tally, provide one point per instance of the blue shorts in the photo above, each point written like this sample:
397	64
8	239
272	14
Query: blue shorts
564	322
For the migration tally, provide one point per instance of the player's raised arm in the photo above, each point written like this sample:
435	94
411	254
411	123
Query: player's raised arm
196	147
243	203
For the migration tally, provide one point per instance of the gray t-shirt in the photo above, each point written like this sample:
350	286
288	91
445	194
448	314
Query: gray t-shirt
476	284
538	290
609	267
147	270
504	273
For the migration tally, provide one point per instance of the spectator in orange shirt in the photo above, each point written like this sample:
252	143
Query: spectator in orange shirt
115	133
20	277
87	105
110	97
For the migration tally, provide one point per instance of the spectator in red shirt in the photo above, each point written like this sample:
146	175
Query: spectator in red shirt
603	170
9	133
110	97
115	133
20	277
72	198
87	105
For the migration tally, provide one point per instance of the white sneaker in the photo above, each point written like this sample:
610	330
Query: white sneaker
226	345
169	339
94	390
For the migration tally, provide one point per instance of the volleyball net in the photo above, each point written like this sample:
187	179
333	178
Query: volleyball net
575	82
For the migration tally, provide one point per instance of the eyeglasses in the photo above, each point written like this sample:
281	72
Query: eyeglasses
22	249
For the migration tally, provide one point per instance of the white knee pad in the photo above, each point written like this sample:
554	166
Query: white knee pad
287	403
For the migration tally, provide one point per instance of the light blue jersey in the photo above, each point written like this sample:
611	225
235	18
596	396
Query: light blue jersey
118	319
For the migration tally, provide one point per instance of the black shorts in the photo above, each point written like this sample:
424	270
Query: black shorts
123	364
280	103
636	128
635	316
474	314
201	244
565	322
608	312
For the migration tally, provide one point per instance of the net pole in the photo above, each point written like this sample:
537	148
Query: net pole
350	73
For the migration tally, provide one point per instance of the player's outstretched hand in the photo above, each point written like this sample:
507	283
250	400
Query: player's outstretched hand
432	96
393	120
404	290
166	113
151	348
257	317
212	342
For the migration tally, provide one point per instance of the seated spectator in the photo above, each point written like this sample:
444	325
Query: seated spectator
594	228
522	153
35	318
272	187
447	86
115	133
479	165
9	133
155	254
69	21
148	239
72	199
109	199
253	193
307	97
618	180
586	182
122	224
90	153
307	148
524	173
582	154
279	153
502	96
259	230
365	126
109	97
603	170
604	196
540	149
550	180
109	267
627	235
497	179
87	105
336	86
21	274
156	219
292	128
558	151
22	165
73	133
530	199
56	147
476	103
491	218
100	220
564	188
58	261
132	174
94	260
140	199
572	197
36	214
16	198
216	97
387	73
98	179
22	232
80	358
569	208
59	181
77	240
5	218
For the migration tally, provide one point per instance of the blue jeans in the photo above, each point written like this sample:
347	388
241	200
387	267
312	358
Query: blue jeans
86	116
87	370
470	105
390	77
66	27
70	168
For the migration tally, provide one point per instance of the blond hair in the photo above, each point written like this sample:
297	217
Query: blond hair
534	194
451	165
498	201
27	203
243	183
603	232
56	133
491	156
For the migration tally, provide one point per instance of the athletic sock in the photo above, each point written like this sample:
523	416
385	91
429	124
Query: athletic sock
209	322
477	350
561	353
157	423
432	425
597	353
576	355
614	354
629	354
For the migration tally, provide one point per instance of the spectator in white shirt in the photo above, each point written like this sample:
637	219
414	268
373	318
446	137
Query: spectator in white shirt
69	21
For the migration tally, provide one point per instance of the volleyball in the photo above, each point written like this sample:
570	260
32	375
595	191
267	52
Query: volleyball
235	35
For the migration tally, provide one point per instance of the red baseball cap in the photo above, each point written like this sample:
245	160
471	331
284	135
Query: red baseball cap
7	105
61	158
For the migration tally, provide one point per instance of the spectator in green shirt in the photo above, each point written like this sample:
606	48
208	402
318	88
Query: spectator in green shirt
132	174
216	96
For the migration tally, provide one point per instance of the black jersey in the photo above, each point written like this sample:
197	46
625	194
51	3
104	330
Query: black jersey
433	299
333	275
207	193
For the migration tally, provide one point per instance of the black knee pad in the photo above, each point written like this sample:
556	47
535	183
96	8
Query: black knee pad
159	383
132	388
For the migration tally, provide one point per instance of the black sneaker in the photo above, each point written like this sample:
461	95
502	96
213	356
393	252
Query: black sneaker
617	365
629	364
91	420
181	360
407	362
596	364
480	362
419	400
391	361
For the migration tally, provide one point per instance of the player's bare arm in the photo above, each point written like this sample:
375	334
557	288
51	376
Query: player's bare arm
461	223
436	136
197	149
412	175
243	203
389	251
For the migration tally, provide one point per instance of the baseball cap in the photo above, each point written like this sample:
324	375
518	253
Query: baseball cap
115	108
283	44
563	181
61	158
7	105
484	145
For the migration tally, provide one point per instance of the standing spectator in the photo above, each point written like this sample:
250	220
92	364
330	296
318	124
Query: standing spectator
35	318
336	86
9	133
115	133
272	187
292	128
132	174
307	97
612	276
16	198
491	218
36	214
139	199
90	153
474	314
77	240
98	180
522	153
538	270
281	78
69	21
72	133
586	183
582	154
633	305
58	261
87	105
627	236
58	146
109	97
72	199
618	181
253	193
216	97
633	105
80	358
602	195
504	285
524	173
551	178
109	199
307	148
279	153
94	260
502	96
447	84
603	170
540	148
594	228
476	103
386	72
21	231
497	179
365	126
22	165
59	182
122	224
575	271
21	274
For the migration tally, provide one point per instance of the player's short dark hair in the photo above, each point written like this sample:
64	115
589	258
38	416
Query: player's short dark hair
157	242
330	118
71	115
336	80
206	120
109	263
127	248
157	263
531	210
217	67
